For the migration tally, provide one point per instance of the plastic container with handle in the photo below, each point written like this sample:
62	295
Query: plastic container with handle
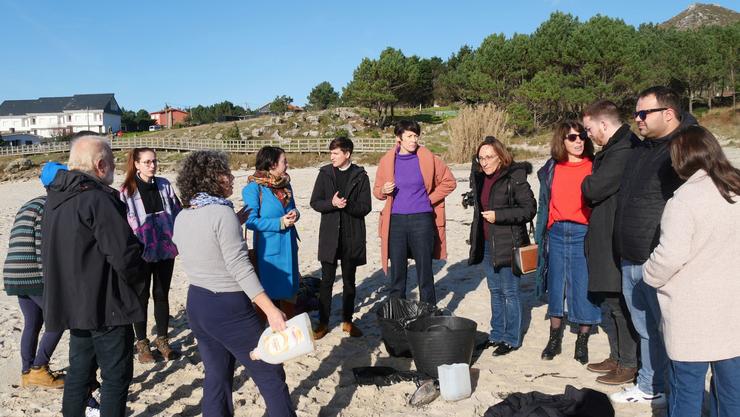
277	347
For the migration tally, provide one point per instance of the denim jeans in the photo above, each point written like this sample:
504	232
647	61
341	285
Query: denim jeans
686	380
506	308
226	328
642	302
567	275
34	353
412	234
111	349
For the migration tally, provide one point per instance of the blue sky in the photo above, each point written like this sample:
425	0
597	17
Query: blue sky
186	53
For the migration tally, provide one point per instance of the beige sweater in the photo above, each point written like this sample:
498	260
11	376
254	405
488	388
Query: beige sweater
696	269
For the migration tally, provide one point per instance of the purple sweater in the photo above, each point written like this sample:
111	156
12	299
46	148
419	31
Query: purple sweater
410	196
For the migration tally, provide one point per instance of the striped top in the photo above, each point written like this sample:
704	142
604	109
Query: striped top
22	270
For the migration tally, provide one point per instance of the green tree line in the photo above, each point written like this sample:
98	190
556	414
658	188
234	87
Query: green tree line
556	71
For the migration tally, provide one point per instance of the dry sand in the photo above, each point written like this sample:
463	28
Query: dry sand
321	384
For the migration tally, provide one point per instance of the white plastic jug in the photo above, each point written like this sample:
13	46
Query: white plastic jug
294	341
454	381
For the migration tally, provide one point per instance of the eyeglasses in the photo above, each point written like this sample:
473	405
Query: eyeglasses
148	162
486	158
573	136
642	114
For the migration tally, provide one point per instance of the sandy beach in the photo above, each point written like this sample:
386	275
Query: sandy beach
321	383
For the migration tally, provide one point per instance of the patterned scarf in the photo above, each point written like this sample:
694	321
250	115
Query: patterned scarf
204	199
278	185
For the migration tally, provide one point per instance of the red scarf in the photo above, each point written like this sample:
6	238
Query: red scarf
278	185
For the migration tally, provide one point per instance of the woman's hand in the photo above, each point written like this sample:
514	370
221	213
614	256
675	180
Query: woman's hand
489	215
338	201
290	218
276	319
388	188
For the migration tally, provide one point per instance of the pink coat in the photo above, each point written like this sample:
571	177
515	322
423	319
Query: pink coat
439	182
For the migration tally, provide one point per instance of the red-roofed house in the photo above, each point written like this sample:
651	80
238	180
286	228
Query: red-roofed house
169	117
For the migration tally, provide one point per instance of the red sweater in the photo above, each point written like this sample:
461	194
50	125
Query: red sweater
566	199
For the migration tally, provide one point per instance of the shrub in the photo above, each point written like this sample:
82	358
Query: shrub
471	125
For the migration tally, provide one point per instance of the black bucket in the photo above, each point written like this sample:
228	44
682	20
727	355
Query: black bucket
441	340
393	315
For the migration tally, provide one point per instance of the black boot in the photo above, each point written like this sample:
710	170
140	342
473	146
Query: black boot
554	345
582	348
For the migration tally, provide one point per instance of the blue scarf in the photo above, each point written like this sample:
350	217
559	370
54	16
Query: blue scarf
205	199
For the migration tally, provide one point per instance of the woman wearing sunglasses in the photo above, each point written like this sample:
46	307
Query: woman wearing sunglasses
562	222
503	207
152	207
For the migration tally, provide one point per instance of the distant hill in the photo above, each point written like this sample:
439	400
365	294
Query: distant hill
701	14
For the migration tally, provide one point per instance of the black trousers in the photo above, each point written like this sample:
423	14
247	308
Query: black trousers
619	329
328	275
158	276
112	350
412	234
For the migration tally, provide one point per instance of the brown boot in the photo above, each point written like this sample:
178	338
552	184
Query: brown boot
41	376
320	331
163	346
350	328
603	367
618	376
144	353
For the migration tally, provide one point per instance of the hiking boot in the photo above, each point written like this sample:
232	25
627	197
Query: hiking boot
163	346
603	367
581	354
554	344
618	376
350	328
320	331
144	353
41	376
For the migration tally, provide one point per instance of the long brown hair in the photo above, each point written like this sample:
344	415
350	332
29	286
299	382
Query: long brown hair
503	154
557	143
129	183
695	148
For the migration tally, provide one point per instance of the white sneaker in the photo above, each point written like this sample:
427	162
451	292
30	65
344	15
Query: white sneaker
92	412
635	395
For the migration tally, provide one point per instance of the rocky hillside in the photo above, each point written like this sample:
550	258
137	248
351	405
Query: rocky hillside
701	14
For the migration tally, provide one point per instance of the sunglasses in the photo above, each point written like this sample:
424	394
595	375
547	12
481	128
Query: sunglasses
642	114
574	136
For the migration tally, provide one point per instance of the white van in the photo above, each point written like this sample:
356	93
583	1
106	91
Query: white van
154	128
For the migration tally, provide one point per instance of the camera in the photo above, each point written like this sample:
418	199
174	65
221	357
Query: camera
468	199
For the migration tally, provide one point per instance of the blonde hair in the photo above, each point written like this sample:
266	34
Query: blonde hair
85	152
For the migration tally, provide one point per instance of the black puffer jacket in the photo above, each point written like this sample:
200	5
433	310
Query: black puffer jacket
515	206
648	182
353	215
91	259
600	189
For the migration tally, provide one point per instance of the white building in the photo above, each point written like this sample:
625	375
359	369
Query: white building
58	116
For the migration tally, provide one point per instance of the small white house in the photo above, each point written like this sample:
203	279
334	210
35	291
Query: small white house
58	116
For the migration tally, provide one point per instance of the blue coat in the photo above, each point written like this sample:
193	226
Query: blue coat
277	250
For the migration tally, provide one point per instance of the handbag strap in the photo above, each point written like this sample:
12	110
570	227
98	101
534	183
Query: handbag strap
510	196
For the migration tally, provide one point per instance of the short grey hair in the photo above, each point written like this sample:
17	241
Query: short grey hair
86	151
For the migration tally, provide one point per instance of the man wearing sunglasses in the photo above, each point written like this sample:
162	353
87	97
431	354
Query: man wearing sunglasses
646	186
604	126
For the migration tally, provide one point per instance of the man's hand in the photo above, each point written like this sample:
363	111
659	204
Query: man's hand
337	201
